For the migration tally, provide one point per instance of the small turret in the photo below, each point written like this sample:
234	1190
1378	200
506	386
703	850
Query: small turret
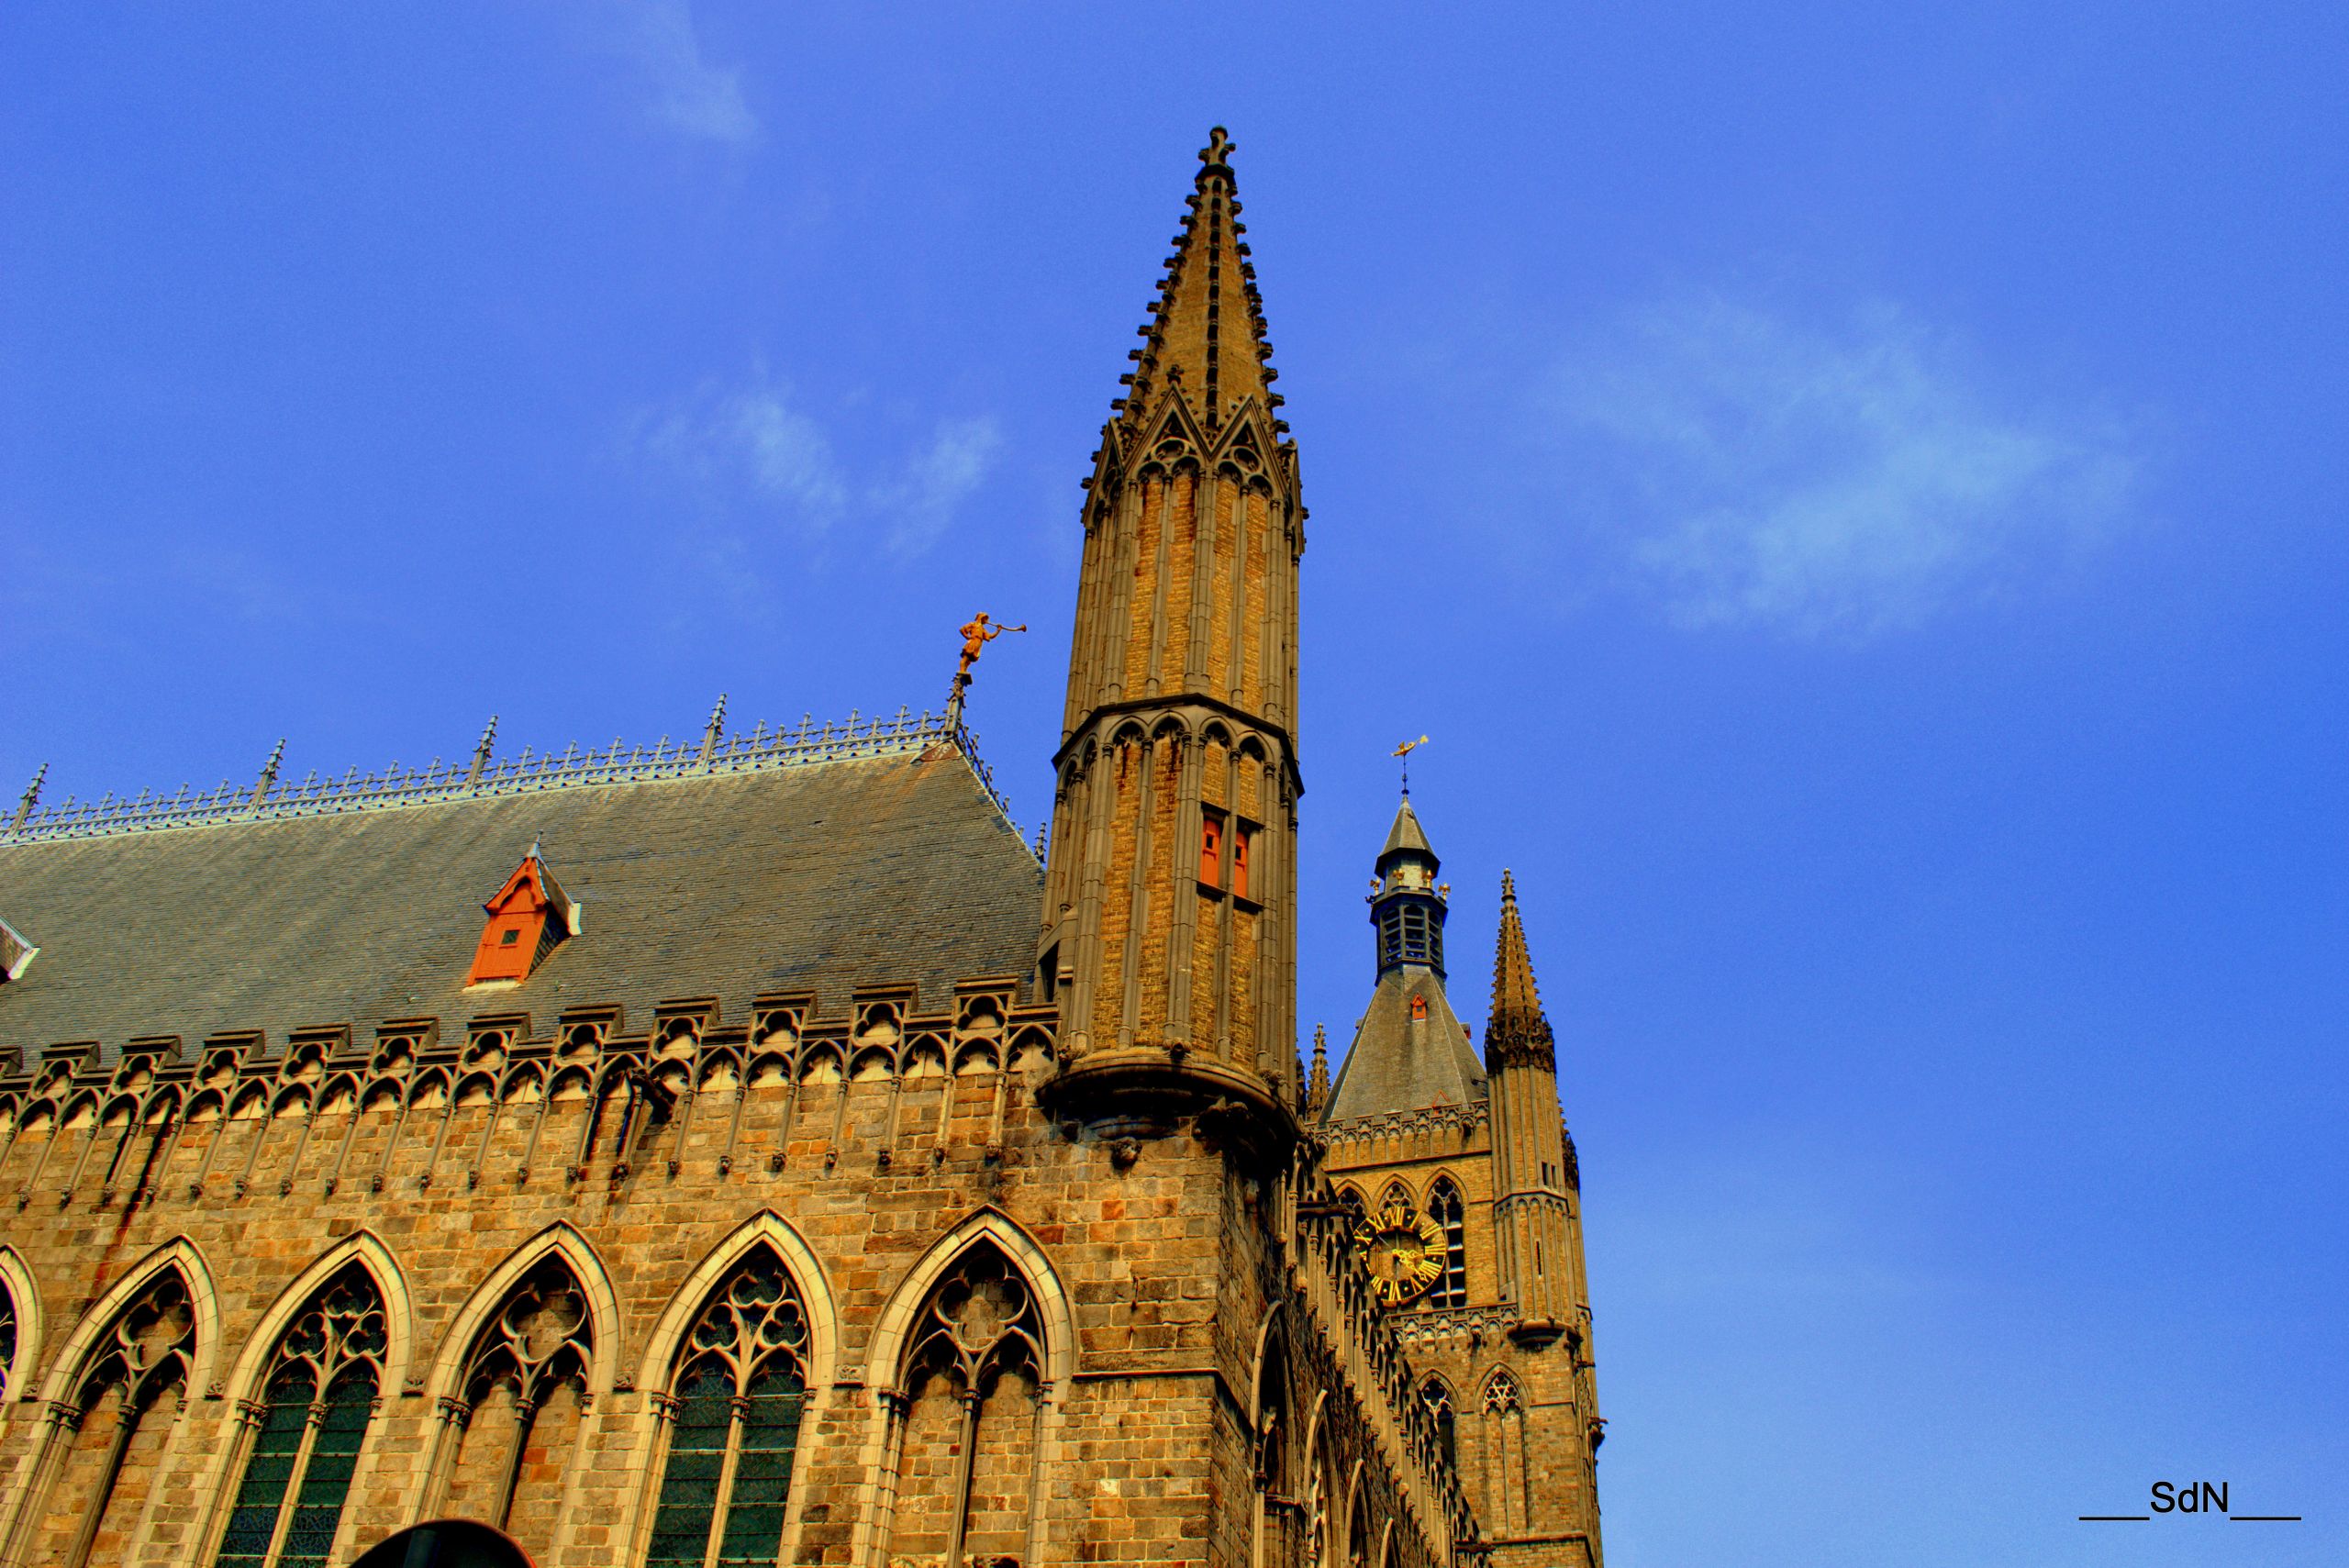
1533	1177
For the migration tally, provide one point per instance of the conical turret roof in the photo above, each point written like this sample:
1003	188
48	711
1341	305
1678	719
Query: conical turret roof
1513	989
1206	335
1406	836
1516	1034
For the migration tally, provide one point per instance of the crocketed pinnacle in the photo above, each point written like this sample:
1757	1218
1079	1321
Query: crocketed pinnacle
1206	335
1517	1033
1317	1087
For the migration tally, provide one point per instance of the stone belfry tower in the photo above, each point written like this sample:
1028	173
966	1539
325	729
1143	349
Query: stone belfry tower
1169	918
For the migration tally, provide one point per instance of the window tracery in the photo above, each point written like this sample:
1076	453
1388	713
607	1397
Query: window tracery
737	1400
306	1431
143	1363
974	1369
1446	1209
538	1346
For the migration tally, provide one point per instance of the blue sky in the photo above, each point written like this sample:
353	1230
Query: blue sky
1852	491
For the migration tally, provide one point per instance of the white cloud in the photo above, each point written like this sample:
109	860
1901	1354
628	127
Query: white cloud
689	93
756	449
1837	482
937	482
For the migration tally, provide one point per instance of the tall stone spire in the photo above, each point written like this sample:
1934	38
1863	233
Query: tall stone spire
1533	1175
1517	1026
1169	909
1205	333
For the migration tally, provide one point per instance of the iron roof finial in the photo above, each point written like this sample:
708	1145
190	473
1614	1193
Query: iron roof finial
31	798
717	727
269	772
481	751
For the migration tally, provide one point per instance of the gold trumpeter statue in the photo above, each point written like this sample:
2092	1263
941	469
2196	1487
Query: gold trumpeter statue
977	632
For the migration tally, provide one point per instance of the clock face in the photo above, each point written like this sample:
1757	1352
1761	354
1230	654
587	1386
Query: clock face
1404	1251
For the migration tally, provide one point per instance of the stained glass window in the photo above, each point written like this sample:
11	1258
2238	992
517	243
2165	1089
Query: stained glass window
734	1427
304	1447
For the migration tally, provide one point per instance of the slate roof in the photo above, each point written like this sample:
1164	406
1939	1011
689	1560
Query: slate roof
872	870
1399	1063
1406	836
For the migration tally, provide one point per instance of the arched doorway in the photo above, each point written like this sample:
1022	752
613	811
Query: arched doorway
446	1543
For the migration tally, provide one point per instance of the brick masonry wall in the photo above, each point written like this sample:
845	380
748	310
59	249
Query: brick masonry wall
1162	1268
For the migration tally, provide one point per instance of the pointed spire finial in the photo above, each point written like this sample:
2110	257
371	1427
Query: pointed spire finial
481	751
1316	1087
1216	156
31	798
715	728
1517	1032
1205	343
269	772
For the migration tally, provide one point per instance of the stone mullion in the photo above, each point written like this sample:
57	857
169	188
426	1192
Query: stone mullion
781	1155
1263	953
889	1127
1092	860
1182	925
1236	652
1285	535
1227	921
1138	891
253	1155
1162	564
392	1143
538	1126
349	1137
958	1529
1116	630
81	1162
211	1153
1206	507
488	1130
739	1408
839	1105
40	1161
301	1147
1090	571
130	1130
311	1421
734	1121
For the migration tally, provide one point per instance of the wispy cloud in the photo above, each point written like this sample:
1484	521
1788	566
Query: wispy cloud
755	447
1841	480
687	94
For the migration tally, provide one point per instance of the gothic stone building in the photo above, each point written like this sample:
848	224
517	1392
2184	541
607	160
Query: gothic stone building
786	1164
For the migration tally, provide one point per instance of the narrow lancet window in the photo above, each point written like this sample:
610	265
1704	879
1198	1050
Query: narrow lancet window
305	1432
734	1407
1445	1208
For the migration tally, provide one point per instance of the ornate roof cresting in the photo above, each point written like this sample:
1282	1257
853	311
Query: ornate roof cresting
482	774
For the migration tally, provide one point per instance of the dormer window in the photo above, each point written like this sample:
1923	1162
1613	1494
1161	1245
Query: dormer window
527	919
16	953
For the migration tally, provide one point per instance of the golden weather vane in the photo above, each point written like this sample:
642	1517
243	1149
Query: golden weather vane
1404	752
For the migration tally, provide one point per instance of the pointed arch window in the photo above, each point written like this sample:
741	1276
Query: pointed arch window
106	1441
7	1336
974	1385
1445	1208
1506	1475
524	1389
739	1392
1436	1400
303	1436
